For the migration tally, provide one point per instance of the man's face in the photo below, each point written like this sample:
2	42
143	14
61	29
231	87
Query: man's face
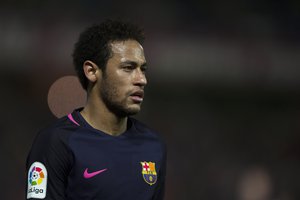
123	80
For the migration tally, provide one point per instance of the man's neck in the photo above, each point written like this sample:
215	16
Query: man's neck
99	117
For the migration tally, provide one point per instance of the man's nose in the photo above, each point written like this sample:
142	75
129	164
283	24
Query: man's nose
140	78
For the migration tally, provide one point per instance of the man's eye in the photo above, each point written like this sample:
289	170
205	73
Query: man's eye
144	69
128	68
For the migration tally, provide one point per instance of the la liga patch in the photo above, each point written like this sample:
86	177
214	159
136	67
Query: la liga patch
37	181
149	172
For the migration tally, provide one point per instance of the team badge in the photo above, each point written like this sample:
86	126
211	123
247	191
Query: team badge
37	181
149	172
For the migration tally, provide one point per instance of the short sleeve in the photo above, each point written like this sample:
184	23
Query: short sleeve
48	166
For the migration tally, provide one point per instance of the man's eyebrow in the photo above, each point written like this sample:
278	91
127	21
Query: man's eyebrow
144	64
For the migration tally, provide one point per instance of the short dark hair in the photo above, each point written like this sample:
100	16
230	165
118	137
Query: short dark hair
93	44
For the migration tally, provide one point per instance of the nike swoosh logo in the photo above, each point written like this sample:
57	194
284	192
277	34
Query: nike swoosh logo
86	174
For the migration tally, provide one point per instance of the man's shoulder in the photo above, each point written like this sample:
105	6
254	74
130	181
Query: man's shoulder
52	138
145	129
149	134
61	127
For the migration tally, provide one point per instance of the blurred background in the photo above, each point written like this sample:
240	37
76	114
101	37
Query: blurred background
224	88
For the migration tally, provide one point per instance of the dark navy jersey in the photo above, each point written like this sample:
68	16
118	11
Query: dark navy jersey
71	160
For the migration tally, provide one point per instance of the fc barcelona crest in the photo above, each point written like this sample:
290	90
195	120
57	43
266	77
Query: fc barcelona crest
149	172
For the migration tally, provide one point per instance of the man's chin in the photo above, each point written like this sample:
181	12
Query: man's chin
129	111
133	111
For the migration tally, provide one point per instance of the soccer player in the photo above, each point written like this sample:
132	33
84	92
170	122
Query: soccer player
100	151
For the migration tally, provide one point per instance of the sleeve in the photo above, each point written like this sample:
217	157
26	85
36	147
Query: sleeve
160	188
48	165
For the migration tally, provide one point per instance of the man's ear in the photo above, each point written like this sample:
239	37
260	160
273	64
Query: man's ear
91	71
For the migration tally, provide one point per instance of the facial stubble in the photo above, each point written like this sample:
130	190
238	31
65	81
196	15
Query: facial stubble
110	93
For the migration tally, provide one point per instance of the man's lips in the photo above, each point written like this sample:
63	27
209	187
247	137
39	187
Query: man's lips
137	96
